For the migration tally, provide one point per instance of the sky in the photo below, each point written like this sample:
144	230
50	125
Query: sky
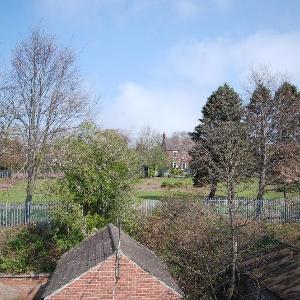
155	62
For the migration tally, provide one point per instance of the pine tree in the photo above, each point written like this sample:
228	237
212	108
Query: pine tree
224	105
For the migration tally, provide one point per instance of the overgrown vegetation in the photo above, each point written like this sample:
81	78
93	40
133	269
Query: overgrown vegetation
196	244
37	247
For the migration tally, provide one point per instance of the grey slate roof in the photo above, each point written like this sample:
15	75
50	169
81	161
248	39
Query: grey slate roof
100	247
277	271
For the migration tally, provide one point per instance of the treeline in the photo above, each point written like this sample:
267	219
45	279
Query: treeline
256	137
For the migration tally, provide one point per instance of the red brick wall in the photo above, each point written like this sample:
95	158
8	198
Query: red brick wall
99	283
182	157
21	287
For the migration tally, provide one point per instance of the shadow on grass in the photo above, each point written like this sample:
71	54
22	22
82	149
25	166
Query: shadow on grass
145	197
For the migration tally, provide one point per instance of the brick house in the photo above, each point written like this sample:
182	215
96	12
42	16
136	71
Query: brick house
177	149
111	265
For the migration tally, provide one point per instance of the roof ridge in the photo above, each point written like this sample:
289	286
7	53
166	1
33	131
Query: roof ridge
113	238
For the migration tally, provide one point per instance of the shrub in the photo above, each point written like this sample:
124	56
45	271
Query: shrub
176	184
166	184
36	248
176	172
68	225
30	249
196	244
99	169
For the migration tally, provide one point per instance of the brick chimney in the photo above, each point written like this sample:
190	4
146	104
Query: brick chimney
164	141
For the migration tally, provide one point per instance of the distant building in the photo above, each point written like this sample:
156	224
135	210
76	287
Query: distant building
111	265
177	149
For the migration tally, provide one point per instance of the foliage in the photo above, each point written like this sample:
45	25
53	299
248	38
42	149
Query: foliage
176	184
196	244
176	172
68	225
99	169
223	106
37	248
151	154
29	249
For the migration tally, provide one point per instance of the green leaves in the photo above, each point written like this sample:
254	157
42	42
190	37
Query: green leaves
99	169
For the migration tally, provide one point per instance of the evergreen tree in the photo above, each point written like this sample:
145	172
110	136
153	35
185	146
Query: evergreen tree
224	105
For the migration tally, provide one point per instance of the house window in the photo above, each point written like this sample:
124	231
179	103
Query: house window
183	166
175	154
174	164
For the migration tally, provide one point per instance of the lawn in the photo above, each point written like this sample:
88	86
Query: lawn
150	188
16	193
147	188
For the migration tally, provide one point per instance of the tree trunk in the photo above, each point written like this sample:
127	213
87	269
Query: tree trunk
263	156
261	187
233	266
29	190
213	188
234	242
284	191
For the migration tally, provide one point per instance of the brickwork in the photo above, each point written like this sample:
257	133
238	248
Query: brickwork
21	287
99	283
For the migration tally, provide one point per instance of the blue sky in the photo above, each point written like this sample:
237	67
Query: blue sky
154	62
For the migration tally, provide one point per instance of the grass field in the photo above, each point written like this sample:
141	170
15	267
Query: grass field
17	192
150	188
147	188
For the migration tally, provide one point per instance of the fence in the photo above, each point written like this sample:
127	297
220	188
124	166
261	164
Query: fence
147	206
5	174
274	211
12	214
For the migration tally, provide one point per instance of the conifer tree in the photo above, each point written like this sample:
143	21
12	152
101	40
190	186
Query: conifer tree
224	105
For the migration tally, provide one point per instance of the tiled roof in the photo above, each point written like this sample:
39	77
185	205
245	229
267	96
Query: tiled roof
277	271
97	249
177	143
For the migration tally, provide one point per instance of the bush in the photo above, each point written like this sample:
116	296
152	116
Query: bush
176	184
68	225
30	249
99	170
36	248
196	245
166	184
176	172
95	221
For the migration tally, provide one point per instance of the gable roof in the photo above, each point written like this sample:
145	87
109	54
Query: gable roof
99	247
177	143
278	271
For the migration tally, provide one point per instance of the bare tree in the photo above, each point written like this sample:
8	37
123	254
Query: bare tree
6	117
227	156
47	97
273	119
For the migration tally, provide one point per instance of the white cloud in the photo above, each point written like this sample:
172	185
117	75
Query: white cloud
137	106
223	59
189	74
